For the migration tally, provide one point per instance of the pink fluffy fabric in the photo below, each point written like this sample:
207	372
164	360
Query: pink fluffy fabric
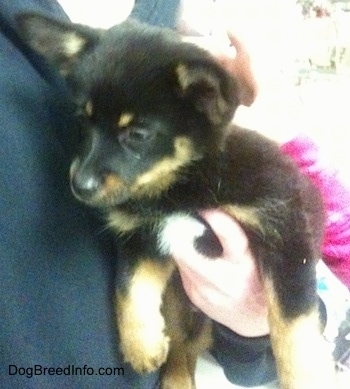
336	197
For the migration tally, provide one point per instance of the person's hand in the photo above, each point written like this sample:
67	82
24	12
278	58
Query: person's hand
227	289
240	67
231	53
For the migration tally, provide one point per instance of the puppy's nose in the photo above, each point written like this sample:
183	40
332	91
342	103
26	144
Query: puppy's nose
85	187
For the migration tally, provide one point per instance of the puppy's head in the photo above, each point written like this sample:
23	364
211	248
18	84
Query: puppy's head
149	105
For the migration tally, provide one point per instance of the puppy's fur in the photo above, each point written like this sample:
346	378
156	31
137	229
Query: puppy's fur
157	147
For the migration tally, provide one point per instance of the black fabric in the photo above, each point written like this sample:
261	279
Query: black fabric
57	262
162	13
246	361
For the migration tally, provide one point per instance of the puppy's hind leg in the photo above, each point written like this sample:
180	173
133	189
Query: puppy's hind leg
302	355
190	333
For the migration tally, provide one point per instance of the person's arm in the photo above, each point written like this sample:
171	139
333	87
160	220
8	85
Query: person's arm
230	292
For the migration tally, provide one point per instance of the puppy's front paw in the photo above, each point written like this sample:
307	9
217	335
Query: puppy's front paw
146	350
141	324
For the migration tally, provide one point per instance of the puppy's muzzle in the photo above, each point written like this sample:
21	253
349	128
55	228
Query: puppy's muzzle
103	189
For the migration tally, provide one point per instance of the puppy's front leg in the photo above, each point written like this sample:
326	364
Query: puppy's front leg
141	324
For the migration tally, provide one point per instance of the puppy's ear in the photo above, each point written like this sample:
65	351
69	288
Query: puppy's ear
209	89
60	43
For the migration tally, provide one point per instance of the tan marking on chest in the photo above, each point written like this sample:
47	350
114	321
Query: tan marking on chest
123	221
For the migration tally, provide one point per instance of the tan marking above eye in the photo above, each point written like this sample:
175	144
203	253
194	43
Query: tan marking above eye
89	108
125	119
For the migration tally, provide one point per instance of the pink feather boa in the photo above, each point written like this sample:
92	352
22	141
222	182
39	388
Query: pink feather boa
336	196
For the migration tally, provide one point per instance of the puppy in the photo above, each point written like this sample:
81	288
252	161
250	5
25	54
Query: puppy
157	146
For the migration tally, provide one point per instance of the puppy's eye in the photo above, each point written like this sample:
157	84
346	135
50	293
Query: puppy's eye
135	136
139	134
134	139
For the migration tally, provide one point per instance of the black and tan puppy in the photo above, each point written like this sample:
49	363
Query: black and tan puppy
157	147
